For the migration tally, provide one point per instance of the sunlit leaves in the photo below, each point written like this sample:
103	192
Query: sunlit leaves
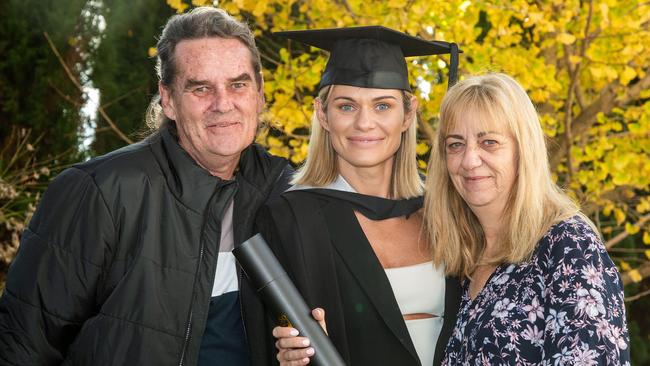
546	45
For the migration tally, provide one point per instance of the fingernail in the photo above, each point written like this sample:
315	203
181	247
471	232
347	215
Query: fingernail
305	342
310	351
293	332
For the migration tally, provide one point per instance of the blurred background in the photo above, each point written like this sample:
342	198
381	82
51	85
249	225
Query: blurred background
76	77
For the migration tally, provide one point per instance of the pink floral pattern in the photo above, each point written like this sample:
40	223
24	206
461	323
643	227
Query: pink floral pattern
562	307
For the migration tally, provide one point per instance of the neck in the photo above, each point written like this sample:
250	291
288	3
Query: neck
223	167
371	181
492	225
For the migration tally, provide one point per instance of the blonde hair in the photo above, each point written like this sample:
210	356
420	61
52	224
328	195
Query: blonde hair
535	202
320	167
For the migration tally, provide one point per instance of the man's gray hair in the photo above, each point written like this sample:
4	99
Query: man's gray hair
201	22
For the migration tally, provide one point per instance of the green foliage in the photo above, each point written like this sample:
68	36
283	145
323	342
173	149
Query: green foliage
35	91
22	179
123	70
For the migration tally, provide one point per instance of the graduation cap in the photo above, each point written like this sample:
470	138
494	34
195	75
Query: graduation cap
372	56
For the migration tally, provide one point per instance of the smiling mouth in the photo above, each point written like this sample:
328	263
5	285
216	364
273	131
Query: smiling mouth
476	179
222	124
364	140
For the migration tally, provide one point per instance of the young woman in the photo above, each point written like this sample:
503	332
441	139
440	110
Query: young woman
538	287
349	232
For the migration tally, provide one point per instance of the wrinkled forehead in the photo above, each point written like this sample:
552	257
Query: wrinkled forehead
212	56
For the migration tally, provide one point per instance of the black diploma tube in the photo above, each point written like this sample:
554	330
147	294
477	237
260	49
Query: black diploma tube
277	291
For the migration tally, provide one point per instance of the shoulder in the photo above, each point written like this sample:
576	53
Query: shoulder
571	238
573	251
132	161
289	205
263	170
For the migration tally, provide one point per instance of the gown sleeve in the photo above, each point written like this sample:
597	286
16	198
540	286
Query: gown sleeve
584	312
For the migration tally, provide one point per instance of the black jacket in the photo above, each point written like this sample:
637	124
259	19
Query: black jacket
322	247
116	266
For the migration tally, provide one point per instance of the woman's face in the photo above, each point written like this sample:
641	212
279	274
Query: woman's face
482	164
365	125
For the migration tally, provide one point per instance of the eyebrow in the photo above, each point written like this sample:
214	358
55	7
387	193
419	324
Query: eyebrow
480	134
189	83
373	99
242	77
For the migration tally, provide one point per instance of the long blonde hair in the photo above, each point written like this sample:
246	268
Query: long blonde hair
320	167
535	202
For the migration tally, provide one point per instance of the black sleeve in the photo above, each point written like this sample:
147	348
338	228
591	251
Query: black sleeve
52	283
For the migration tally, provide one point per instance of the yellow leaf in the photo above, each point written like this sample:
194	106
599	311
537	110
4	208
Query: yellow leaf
627	75
619	215
625	266
647	253
573	59
635	276
597	72
152	52
631	229
274	142
260	8
646	238
178	5
566	38
607	210
422	148
645	94
396	4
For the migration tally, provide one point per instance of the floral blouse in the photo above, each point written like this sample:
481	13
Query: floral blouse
562	307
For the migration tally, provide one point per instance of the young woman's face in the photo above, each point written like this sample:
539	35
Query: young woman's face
482	163
365	124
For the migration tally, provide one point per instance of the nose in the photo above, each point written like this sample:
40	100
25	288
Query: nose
365	120
222	101
471	157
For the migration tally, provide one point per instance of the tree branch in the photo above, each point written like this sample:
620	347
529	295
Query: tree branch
428	131
618	238
637	296
76	83
574	74
606	101
644	271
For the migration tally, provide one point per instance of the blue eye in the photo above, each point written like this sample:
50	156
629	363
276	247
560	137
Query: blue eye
346	108
455	146
238	85
382	106
490	142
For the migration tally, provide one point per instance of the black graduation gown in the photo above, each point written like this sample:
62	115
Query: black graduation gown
318	240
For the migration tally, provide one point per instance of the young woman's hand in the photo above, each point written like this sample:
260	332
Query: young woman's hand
292	349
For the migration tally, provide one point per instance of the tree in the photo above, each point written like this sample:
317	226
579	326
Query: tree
39	110
584	64
123	68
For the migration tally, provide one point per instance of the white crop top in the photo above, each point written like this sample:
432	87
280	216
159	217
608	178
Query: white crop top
420	288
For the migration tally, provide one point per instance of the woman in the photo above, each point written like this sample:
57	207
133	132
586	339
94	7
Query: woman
538	285
349	231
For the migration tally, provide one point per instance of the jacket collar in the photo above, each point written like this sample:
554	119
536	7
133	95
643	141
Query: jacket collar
193	185
189	182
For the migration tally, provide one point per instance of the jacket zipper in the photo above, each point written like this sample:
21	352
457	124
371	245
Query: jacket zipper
189	322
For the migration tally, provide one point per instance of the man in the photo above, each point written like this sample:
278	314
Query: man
127	260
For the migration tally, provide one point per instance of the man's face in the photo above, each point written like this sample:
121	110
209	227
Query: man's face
214	99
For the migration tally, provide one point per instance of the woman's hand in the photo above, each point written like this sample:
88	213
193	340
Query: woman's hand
294	350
